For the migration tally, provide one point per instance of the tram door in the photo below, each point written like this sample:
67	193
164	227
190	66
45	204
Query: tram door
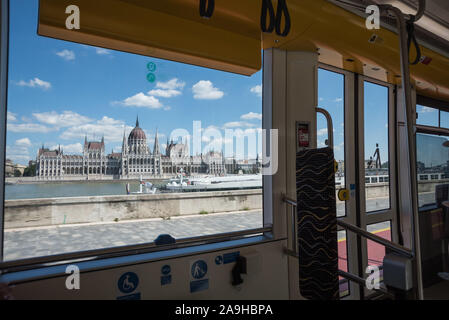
363	131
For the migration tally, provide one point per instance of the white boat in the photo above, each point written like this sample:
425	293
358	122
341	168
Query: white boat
144	188
213	183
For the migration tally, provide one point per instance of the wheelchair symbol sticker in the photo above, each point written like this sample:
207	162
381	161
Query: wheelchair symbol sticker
199	269
128	282
166	270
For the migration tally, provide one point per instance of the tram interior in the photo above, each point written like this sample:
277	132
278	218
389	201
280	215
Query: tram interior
317	81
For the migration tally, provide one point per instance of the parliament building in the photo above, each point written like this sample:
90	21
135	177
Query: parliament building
136	160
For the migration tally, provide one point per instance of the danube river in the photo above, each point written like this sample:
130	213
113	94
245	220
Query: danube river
68	189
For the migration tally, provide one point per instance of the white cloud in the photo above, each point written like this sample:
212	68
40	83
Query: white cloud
238	124
141	100
322	132
252	116
65	119
29	128
18	153
338	100
427	110
205	90
102	51
12	116
35	83
171	84
257	90
164	93
66	55
111	129
169	89
25	142
76	148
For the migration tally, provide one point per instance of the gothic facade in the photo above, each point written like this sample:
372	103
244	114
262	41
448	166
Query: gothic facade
135	160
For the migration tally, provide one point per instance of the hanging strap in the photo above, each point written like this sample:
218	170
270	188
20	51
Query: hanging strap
411	38
267	9
283	9
207	11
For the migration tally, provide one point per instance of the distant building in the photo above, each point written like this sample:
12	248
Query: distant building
133	161
9	168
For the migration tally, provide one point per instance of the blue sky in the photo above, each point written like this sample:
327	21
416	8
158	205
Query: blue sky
61	91
331	98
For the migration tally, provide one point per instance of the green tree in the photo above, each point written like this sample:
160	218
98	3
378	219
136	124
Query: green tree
30	171
17	173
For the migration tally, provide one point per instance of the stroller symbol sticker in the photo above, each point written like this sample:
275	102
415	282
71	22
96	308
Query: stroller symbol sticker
199	269
128	282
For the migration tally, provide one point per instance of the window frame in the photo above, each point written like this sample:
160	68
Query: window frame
350	216
431	130
259	235
373	217
4	47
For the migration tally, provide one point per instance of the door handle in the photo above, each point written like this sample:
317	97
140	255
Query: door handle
343	195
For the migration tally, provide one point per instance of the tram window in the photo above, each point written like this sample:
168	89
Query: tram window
331	98
444	119
376	252
343	262
74	145
381	179
376	145
432	159
427	116
367	180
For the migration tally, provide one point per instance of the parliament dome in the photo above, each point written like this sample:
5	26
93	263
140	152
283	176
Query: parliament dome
137	133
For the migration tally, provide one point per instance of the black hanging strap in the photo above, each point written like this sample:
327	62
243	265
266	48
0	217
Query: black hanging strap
267	9
283	9
207	8
411	37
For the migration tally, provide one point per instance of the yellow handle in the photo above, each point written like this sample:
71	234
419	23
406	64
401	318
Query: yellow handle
343	195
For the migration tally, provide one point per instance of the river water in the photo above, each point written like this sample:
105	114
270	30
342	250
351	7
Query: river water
70	189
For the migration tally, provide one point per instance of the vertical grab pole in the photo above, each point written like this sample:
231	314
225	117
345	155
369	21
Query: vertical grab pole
4	40
294	229
330	127
407	96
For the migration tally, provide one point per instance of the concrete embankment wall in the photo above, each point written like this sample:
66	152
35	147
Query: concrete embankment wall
58	211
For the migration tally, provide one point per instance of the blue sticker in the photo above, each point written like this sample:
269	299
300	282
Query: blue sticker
230	257
151	66
199	269
199	285
166	270
218	260
151	77
352	187
128	282
165	280
135	296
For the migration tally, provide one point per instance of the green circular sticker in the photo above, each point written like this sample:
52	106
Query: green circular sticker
151	77
151	66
